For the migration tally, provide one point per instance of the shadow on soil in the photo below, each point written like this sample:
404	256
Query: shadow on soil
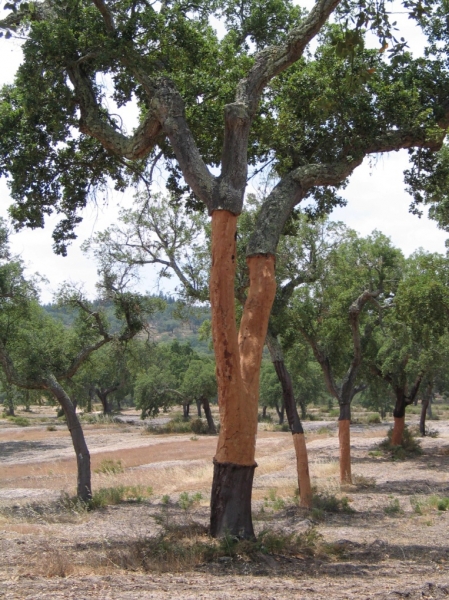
9	449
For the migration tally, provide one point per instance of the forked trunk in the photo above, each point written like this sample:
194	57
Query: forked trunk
344	437
84	489
238	360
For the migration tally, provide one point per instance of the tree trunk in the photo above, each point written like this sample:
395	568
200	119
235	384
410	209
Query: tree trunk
84	489
185	411
210	421
302	464
231	500
280	412
103	396
9	402
238	359
344	437
90	398
264	412
424	408
399	418
198	408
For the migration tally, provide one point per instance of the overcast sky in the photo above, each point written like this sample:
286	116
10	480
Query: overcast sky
376	200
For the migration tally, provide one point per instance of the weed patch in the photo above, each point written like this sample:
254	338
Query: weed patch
110	467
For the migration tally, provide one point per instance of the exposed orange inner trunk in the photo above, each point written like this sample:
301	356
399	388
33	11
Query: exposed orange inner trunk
302	466
398	431
238	356
345	450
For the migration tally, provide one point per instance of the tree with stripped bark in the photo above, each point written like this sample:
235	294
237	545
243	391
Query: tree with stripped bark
337	313
213	108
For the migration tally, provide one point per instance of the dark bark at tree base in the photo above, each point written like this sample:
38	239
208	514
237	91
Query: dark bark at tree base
231	500
186	411
104	403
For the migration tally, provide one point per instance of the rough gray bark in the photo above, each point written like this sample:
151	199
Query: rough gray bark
84	489
277	359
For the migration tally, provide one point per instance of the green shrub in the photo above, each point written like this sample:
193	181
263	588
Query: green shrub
335	412
199	427
186	501
410	446
330	503
374	419
20	421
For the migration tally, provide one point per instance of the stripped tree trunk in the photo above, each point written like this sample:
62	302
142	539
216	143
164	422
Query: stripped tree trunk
402	401
238	358
84	489
344	437
299	442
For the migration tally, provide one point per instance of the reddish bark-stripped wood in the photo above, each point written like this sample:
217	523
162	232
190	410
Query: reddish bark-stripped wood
254	323
236	439
302	467
398	431
238	359
345	450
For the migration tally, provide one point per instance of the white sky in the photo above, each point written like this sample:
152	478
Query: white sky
376	200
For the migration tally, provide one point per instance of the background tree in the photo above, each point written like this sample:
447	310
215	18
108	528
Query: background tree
336	315
39	353
407	344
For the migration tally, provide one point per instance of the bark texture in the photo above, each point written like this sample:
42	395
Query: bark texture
398	431
238	358
302	466
345	450
231	500
84	488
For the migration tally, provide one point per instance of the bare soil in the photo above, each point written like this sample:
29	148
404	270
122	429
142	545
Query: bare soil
393	543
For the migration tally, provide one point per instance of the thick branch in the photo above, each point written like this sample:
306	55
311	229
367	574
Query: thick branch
275	59
355	309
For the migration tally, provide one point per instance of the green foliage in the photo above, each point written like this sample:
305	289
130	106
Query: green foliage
19	421
409	448
186	501
324	503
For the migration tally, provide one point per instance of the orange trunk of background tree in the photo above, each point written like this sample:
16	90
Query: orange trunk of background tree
398	431
344	428
238	358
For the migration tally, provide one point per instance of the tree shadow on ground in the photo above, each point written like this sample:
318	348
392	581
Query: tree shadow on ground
13	448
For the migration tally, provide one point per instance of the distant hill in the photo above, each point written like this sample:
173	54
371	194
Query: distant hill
175	322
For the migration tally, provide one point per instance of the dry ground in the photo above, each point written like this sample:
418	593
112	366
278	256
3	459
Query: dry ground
394	543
